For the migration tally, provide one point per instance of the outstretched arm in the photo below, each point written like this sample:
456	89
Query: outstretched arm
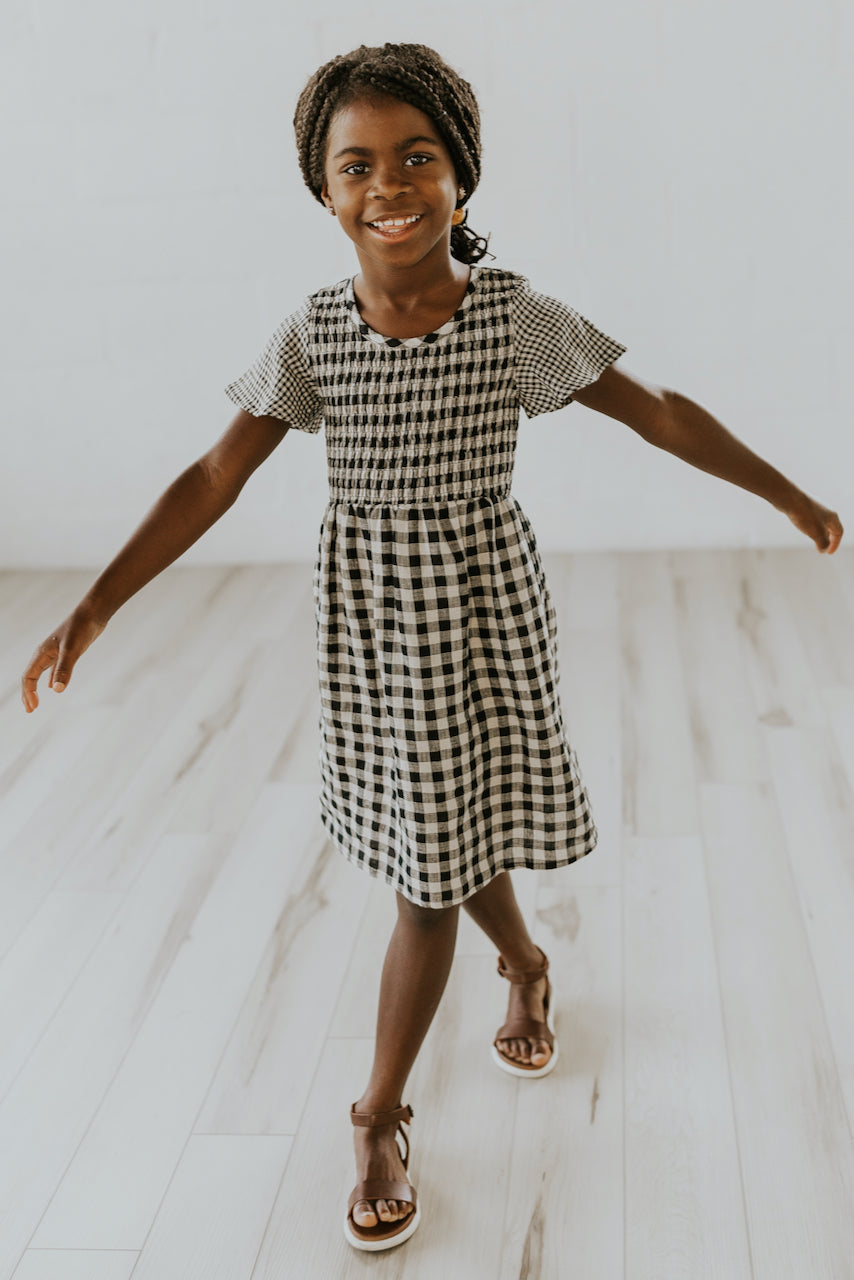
187	509
673	422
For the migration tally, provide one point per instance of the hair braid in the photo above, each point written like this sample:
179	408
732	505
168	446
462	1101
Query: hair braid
412	73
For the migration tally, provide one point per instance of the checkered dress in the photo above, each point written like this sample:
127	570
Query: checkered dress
442	747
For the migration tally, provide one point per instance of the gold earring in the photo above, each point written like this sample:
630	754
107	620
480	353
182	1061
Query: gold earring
459	215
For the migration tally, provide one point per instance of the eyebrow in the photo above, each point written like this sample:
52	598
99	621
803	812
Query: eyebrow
401	146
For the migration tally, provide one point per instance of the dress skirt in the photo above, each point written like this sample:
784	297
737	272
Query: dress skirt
444	758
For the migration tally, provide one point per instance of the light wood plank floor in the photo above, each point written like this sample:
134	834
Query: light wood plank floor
189	972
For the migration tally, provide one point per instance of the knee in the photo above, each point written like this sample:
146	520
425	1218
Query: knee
426	917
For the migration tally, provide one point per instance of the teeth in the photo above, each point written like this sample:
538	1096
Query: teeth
396	222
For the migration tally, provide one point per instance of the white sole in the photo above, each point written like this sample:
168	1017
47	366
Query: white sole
533	1073
375	1246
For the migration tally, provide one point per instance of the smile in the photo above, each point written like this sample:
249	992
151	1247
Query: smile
395	227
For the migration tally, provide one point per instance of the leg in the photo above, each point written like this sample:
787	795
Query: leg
415	971
496	911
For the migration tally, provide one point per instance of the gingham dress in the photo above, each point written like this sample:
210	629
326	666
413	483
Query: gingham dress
442	747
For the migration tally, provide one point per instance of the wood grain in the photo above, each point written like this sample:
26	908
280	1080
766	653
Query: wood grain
189	971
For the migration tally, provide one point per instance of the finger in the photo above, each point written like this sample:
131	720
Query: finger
830	541
29	693
61	674
29	681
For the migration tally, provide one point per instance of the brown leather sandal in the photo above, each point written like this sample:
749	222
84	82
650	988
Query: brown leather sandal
527	1028
384	1235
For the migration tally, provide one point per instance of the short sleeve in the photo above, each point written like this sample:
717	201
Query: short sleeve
280	382
557	351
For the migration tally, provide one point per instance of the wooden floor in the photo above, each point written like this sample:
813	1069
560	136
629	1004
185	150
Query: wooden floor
189	971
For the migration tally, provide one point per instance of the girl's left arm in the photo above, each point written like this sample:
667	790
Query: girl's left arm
673	422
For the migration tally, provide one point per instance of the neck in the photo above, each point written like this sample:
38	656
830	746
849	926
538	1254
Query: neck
405	287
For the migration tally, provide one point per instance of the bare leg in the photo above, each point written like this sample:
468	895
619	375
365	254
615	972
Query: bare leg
415	972
496	911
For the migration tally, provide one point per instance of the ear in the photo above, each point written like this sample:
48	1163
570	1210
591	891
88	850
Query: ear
325	196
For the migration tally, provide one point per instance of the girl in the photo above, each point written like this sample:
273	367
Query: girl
443	755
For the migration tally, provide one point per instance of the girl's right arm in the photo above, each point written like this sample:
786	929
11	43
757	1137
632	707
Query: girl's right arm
186	510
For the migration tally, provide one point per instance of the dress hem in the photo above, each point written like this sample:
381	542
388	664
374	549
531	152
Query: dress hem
512	862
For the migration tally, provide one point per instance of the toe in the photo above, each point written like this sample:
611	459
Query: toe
540	1053
363	1214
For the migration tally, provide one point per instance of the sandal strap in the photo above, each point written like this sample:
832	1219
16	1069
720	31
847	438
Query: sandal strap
374	1118
525	1029
382	1189
527	977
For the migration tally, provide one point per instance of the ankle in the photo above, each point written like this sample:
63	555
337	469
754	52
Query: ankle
376	1103
525	960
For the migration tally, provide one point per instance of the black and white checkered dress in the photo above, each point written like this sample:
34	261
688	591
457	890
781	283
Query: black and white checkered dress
443	753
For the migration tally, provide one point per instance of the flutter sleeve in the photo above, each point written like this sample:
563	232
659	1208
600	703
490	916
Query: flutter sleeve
280	383
557	351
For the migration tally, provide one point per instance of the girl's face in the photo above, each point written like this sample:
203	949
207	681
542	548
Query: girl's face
385	160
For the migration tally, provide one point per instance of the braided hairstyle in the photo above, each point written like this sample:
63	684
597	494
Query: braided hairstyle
411	73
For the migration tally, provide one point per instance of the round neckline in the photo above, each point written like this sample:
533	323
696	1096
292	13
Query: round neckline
426	339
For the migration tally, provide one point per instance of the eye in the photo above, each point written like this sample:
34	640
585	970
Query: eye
359	167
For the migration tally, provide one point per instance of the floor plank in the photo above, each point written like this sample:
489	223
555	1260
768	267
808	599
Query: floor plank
684	1209
568	1128
111	1189
659	794
216	1209
794	1141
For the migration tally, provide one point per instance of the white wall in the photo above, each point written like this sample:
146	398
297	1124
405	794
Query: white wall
677	171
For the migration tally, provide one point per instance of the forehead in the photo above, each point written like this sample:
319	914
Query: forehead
376	122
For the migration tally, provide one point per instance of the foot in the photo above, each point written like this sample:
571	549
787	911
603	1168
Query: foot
526	1001
378	1156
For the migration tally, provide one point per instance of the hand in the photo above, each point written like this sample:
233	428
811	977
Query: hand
817	522
60	652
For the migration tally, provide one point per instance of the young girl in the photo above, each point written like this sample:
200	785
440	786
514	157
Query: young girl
443	754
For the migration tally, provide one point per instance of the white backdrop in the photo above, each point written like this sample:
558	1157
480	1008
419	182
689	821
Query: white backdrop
677	171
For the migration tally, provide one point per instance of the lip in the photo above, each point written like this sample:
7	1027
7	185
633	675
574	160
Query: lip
397	233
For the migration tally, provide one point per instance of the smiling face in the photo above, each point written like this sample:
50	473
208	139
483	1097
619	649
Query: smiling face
386	164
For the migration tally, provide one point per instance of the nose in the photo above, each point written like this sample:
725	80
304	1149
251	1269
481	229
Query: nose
389	181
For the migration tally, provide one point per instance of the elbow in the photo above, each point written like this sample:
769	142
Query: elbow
665	416
221	486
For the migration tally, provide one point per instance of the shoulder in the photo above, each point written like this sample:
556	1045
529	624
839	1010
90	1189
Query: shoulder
301	325
329	293
499	282
324	307
526	306
318	302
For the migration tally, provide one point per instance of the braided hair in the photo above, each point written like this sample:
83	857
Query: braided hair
412	73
